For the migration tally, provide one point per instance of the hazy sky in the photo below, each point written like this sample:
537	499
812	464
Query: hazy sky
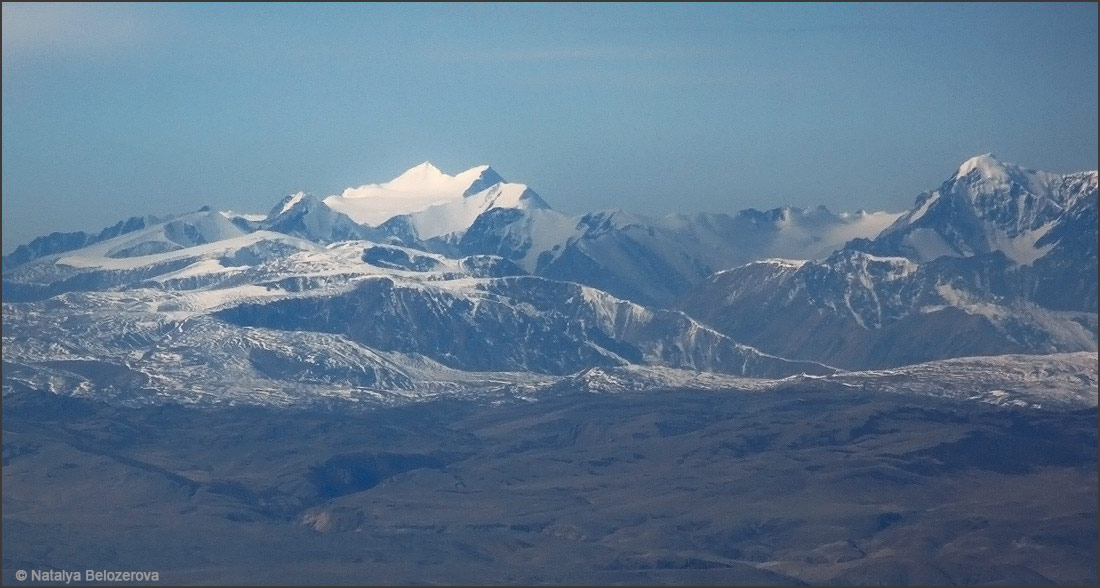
116	110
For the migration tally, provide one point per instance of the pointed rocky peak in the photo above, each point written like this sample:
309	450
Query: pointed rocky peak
478	179
985	166
288	202
530	199
987	181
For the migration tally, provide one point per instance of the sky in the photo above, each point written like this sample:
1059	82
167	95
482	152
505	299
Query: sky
115	110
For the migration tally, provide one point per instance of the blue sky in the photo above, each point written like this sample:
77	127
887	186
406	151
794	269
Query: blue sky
115	110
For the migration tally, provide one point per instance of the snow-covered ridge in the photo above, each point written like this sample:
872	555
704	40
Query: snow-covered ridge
788	263
986	165
645	259
415	190
287	203
998	259
456	216
1056	381
988	205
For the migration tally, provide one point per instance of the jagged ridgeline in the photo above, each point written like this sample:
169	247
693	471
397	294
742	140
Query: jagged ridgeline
439	284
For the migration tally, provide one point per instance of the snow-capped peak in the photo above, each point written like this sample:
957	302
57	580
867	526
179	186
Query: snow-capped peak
986	206
986	165
983	163
478	179
417	189
985	176
428	179
421	178
287	203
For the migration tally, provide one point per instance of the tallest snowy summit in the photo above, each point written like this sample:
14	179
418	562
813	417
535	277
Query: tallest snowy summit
417	189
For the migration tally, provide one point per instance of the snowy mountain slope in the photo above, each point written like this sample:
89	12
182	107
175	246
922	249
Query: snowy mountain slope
655	260
136	348
259	258
149	346
146	346
991	283
524	236
188	231
61	242
270	318
308	217
195	248
985	206
856	310
511	324
1065	277
455	217
161	344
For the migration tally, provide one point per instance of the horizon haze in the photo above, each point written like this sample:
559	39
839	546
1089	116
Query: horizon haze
160	109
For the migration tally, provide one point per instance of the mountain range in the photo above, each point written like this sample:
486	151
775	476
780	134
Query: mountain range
998	259
431	283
